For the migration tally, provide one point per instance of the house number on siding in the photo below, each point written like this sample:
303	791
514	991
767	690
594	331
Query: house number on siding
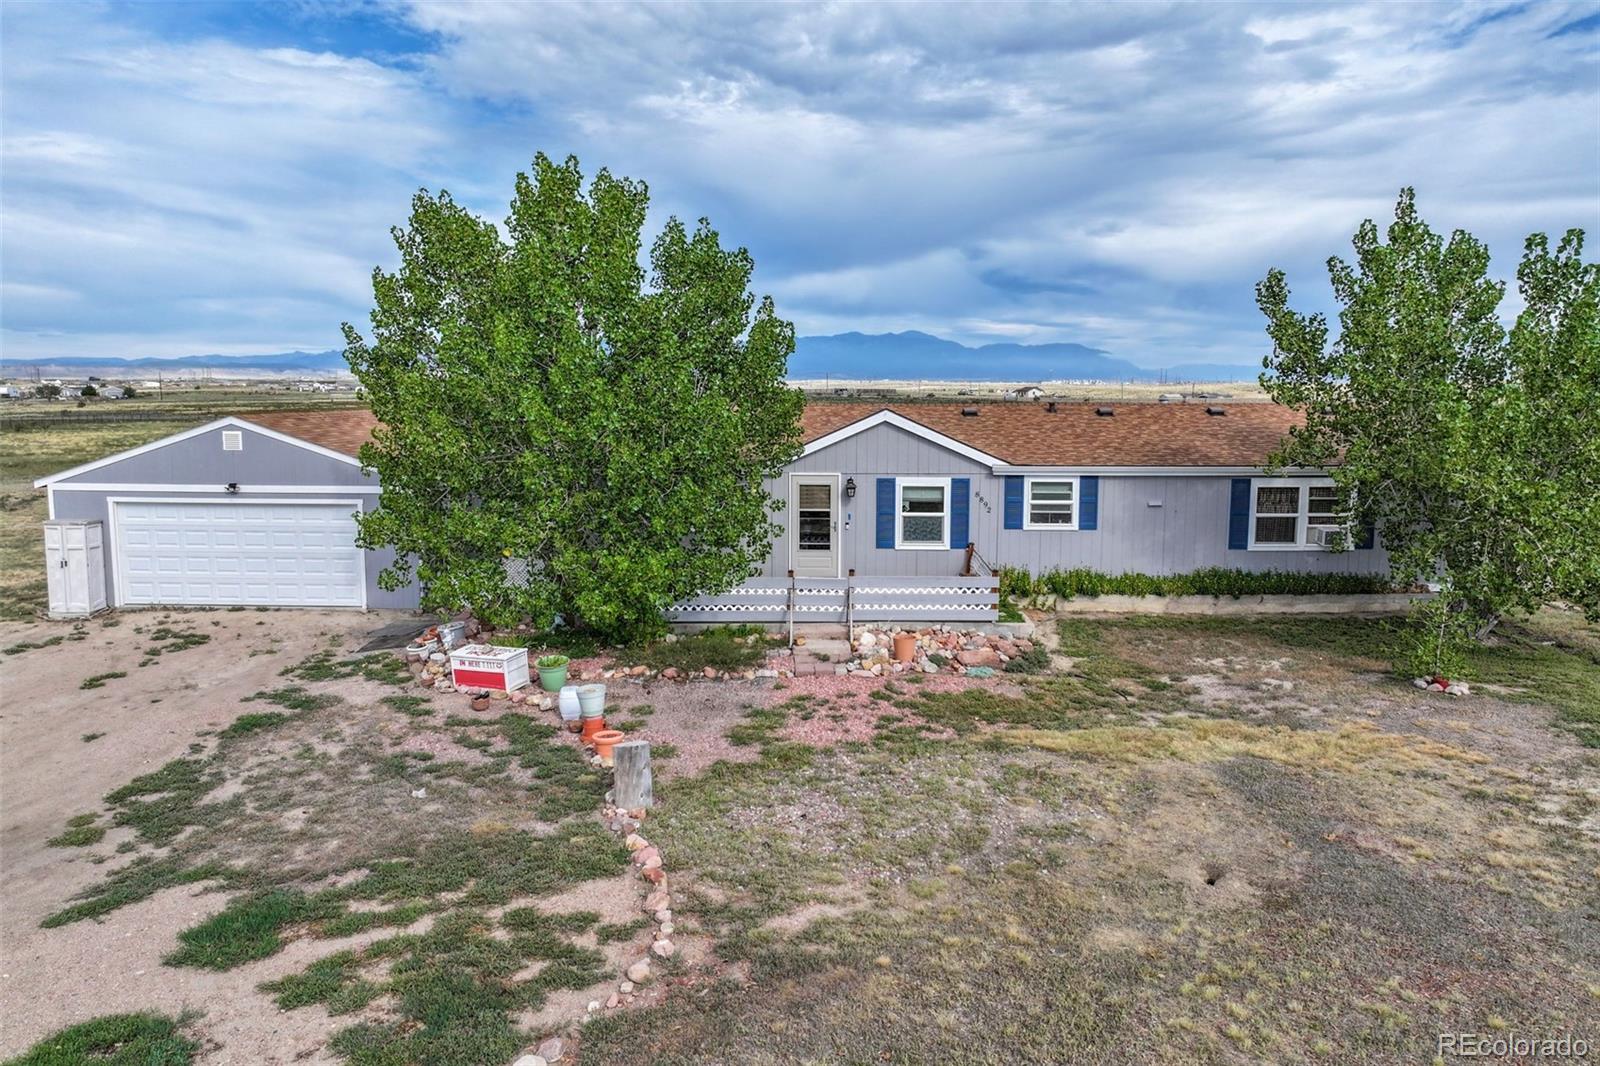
979	497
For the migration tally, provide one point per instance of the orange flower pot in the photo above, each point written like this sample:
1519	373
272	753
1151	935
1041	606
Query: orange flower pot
905	647
591	726
604	741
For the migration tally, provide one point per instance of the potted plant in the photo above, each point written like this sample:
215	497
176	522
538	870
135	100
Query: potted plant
552	672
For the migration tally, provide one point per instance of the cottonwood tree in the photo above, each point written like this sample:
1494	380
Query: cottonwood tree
1475	449
558	435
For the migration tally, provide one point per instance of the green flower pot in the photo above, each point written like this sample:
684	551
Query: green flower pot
553	672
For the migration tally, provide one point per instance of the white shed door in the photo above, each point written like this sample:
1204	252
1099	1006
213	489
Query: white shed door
274	554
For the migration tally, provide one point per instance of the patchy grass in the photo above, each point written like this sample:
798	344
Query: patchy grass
24	645
114	1040
90	738
81	832
732	648
296	698
410	706
326	665
99	680
246	724
1204	881
455	988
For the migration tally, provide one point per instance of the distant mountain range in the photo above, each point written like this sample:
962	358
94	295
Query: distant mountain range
913	355
852	356
283	362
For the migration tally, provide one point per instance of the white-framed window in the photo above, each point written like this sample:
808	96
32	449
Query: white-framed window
1296	514
1050	502
923	512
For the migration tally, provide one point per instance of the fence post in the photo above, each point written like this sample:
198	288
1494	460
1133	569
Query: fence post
850	606
631	763
788	610
966	563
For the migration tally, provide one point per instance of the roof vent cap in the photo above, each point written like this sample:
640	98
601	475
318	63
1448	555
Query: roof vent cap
1050	407
969	412
1103	412
1216	410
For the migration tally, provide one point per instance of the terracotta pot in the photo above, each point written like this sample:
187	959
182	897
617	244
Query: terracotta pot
480	703
905	647
604	740
591	726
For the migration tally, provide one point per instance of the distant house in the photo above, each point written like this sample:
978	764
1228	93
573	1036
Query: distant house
1027	392
112	392
259	510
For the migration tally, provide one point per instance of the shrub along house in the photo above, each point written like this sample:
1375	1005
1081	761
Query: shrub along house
259	510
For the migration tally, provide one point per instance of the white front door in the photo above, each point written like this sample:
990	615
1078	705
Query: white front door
814	525
279	554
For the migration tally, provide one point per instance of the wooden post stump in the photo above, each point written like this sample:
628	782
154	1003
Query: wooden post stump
633	787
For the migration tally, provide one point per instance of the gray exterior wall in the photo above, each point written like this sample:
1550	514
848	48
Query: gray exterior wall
200	461
1187	531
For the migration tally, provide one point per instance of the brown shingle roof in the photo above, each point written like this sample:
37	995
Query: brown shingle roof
1137	434
1025	434
344	430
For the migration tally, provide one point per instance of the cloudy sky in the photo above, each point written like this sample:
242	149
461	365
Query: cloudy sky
195	178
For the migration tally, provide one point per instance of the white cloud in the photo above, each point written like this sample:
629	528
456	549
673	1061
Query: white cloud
1117	175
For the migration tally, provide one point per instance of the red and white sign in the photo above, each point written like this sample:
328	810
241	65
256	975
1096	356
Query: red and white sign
486	666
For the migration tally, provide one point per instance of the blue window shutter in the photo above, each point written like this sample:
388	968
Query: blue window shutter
1239	514
1089	502
1364	537
960	493
886	512
1013	501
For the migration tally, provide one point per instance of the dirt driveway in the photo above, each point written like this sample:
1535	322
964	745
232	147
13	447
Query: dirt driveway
50	771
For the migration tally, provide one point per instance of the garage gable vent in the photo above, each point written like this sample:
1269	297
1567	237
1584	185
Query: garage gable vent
232	440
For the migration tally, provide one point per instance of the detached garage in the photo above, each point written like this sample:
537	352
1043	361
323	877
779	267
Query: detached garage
256	511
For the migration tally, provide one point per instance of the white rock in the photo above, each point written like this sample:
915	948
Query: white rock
662	949
666	928
1459	688
1420	682
625	987
663	916
868	640
639	972
551	1049
594	1005
419	793
532	1060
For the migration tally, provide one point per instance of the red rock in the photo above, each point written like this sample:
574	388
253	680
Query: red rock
644	855
655	875
1024	646
710	671
1006	648
657	900
670	673
978	657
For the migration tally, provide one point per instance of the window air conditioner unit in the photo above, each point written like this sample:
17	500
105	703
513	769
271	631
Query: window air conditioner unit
1322	536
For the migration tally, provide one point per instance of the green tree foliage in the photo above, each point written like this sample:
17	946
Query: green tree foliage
543	405
1475	449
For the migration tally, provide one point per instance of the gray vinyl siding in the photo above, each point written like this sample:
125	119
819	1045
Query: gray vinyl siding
200	460
1188	530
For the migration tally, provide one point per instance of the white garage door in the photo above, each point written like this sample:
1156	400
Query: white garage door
278	554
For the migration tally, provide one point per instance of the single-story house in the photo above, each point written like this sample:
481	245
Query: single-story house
258	509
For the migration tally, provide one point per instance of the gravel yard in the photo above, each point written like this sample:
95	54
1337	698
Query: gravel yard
1182	841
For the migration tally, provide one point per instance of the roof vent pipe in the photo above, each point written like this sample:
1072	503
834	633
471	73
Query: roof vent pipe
1103	412
1050	407
969	412
1216	410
